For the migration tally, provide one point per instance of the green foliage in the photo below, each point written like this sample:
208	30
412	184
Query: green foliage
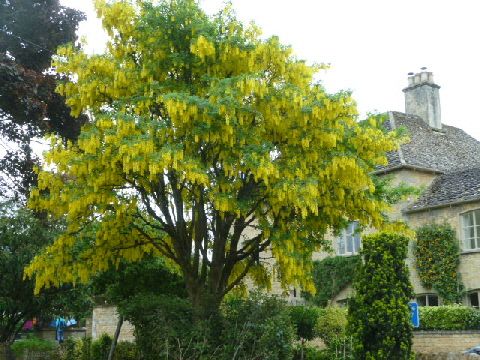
379	316
257	328
331	275
450	317
126	351
164	325
331	326
33	345
305	352
393	194
304	318
101	347
437	257
254	328
69	349
85	352
148	276
22	236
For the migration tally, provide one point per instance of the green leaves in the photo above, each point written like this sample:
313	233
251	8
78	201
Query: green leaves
437	258
379	317
331	275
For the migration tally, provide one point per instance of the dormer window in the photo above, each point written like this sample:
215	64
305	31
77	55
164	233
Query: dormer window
349	240
471	230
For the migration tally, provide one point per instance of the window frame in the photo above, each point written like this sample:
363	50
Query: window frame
346	236
469	302
476	230
427	301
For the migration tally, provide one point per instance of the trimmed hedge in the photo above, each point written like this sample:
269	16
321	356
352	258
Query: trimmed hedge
450	317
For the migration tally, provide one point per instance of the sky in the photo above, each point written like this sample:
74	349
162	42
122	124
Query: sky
371	45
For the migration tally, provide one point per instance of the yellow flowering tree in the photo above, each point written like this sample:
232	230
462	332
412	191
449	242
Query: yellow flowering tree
207	145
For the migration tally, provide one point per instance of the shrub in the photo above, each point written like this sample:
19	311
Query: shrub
257	328
331	326
379	316
164	327
101	347
451	317
69	349
310	353
126	351
85	352
304	318
44	348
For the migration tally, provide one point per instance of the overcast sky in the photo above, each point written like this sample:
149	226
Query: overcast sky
371	46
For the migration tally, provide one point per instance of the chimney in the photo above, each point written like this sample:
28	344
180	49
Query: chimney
422	98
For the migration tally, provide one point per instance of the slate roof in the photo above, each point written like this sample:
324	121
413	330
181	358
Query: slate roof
450	188
447	150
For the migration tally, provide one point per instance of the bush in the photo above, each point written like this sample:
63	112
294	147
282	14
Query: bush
451	317
101	347
379	316
43	348
257	328
164	327
69	349
85	349
304	318
126	351
254	328
331	326
311	353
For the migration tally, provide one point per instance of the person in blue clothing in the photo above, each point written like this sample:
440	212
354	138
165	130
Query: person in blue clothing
60	325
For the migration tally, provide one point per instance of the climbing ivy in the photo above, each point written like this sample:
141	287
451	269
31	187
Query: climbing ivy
331	275
437	258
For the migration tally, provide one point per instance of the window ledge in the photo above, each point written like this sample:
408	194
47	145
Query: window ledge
468	252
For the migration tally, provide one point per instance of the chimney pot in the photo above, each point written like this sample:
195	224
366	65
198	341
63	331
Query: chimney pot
422	98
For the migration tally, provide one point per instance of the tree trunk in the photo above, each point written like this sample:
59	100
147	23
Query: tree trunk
115	337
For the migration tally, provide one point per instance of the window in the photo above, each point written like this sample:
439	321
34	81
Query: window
427	300
473	299
349	240
471	230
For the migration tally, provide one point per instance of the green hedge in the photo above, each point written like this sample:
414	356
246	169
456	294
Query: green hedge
34	345
451	317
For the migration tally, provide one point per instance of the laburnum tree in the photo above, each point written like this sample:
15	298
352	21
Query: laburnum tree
30	32
209	146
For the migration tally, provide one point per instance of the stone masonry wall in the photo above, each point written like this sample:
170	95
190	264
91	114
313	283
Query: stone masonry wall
104	321
469	260
434	342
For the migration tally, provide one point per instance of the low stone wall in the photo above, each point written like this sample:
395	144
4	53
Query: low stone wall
49	333
444	342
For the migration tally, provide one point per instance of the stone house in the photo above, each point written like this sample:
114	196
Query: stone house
444	162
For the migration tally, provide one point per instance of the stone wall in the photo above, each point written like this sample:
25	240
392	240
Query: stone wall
444	342
469	260
49	334
104	321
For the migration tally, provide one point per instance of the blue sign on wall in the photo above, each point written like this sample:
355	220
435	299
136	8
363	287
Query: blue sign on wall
414	314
